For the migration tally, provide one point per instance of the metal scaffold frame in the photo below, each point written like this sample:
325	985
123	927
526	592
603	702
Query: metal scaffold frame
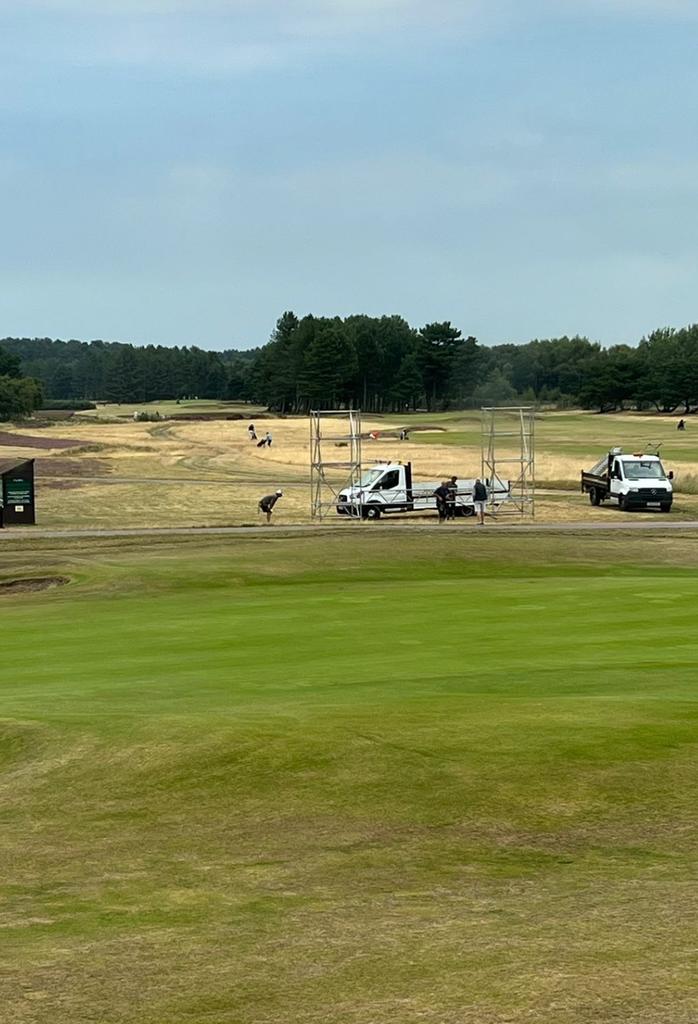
508	454
330	475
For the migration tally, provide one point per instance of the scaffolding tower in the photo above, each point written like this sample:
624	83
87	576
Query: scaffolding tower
508	456
335	459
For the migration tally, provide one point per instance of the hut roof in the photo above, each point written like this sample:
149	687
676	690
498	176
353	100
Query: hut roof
9	465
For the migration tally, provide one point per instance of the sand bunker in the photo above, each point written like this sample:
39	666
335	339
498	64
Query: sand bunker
31	584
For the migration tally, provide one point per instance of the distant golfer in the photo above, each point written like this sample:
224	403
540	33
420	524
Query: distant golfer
480	500
251	432
268	439
681	425
267	503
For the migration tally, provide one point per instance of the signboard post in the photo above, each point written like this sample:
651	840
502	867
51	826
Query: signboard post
17	492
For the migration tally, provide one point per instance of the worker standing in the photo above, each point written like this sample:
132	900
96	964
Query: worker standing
267	503
451	500
480	500
251	432
441	494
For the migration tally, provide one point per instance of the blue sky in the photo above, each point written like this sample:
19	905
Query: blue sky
180	172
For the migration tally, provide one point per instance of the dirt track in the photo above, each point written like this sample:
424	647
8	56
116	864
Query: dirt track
29	533
45	443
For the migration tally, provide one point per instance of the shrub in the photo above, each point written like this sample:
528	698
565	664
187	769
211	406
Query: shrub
18	397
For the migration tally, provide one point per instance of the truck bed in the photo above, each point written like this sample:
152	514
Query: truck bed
596	480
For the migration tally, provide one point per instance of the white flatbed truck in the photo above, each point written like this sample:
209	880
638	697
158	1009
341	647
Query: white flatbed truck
633	481
388	487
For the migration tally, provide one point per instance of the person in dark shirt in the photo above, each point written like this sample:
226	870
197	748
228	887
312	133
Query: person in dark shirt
451	500
267	503
681	425
480	500
441	494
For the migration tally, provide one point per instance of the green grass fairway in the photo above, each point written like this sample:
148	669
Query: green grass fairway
169	408
361	778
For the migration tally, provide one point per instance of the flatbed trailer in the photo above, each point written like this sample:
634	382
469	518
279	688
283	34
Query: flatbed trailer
388	488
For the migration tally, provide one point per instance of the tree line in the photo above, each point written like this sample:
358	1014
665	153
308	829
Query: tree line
382	364
19	395
378	364
116	372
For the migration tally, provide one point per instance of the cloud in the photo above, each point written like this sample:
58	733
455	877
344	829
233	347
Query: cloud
338	17
271	18
227	37
654	176
342	17
243	37
332	15
175	49
329	9
667	9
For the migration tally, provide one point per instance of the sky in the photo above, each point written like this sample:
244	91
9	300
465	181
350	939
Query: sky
183	171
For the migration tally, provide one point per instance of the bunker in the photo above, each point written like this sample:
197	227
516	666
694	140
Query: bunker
17	492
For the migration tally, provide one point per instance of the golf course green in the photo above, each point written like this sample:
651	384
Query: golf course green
357	778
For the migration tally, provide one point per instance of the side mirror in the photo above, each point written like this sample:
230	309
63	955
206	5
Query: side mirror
671	474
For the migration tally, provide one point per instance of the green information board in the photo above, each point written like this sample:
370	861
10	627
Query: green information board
18	491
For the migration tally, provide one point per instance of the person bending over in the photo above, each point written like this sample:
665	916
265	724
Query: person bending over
267	503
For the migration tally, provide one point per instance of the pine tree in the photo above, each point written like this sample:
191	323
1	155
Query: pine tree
436	353
409	385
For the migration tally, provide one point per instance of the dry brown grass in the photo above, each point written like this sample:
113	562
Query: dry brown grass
124	473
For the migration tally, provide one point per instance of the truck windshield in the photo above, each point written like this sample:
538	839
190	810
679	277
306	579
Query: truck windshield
370	477
640	470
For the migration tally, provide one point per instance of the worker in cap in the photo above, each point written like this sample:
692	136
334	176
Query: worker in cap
267	503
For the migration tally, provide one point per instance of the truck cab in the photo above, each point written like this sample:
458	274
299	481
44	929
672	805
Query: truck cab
633	481
384	487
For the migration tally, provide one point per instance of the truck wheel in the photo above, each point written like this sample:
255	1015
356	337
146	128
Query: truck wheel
594	496
666	507
467	510
372	512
